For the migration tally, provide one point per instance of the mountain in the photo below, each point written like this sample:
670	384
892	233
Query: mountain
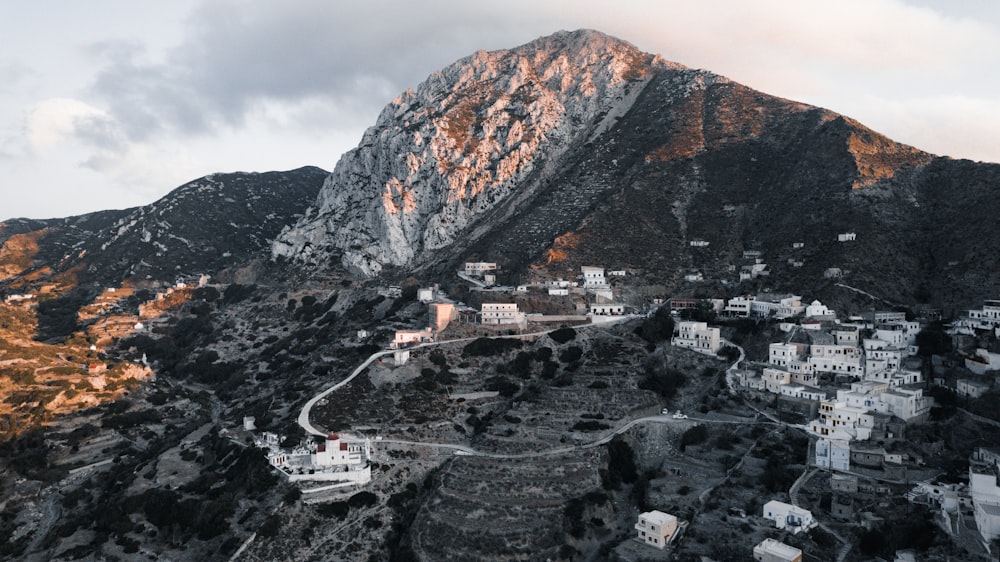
129	415
204	226
578	148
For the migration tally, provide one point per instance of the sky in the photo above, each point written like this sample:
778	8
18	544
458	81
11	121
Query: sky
109	104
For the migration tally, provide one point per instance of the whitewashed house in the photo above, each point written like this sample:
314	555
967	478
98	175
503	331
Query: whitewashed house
501	314
558	291
655	528
697	336
847	237
783	354
834	454
770	550
985	500
739	306
774	379
987	317
610	309
971	388
406	338
804	392
787	516
817	309
593	277
845	359
338	458
839	421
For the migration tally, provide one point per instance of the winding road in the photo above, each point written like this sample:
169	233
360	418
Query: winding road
304	414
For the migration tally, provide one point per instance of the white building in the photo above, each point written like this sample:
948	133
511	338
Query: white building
611	309
558	291
770	550
774	379
697	336
971	388
845	359
834	454
840	421
656	528
479	268
987	317
693	277
985	500
338	458
787	516
817	309
739	306
781	354
426	294
699	243
904	403
407	338
846	335
847	237
593	277
501	314
804	392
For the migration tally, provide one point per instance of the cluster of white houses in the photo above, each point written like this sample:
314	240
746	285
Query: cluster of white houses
880	385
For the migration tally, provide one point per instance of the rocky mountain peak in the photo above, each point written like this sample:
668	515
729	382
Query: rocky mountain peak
467	138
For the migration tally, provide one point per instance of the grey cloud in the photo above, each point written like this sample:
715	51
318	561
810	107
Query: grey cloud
355	56
100	132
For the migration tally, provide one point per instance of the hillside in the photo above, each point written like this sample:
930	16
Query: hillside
204	226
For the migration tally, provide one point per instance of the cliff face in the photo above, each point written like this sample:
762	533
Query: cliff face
472	135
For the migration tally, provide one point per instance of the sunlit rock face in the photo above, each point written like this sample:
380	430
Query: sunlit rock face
468	138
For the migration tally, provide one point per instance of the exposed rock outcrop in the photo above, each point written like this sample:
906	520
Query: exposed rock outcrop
469	137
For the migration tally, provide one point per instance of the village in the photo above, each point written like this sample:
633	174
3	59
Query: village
852	384
856	385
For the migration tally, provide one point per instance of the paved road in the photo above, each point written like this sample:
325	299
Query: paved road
731	371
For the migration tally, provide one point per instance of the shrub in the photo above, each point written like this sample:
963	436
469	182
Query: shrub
563	335
487	347
270	527
658	327
663	382
571	354
694	436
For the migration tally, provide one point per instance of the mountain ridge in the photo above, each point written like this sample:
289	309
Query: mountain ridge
422	191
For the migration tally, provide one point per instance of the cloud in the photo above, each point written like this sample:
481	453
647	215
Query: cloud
326	65
101	144
52	121
239	55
